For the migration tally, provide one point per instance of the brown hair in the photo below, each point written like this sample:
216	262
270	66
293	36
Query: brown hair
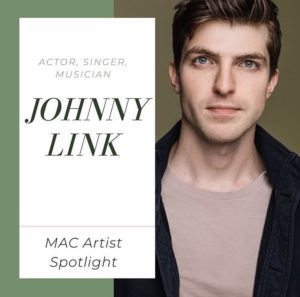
190	13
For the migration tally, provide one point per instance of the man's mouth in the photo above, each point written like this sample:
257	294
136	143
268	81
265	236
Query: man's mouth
223	109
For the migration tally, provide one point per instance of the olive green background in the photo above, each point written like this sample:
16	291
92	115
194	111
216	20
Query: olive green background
10	284
282	114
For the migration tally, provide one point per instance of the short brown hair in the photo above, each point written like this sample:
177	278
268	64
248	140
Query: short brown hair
190	13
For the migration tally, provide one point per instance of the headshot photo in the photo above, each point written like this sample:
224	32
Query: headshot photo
227	166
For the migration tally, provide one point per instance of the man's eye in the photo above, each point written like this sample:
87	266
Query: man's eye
201	60
249	64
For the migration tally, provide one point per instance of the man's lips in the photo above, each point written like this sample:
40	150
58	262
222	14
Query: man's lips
223	110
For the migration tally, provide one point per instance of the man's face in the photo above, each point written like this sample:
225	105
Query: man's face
224	80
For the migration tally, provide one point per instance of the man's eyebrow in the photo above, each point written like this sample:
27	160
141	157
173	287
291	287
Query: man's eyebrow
252	56
200	51
204	51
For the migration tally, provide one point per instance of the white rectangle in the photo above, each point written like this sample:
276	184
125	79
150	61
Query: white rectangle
86	140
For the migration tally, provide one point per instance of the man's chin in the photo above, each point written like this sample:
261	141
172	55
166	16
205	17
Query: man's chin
217	139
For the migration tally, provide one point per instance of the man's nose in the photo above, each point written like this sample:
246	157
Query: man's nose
224	83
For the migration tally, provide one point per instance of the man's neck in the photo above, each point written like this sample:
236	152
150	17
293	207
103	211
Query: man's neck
219	167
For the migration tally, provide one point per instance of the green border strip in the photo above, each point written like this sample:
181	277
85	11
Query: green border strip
10	12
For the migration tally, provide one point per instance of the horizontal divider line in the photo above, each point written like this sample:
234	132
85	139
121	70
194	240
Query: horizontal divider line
103	226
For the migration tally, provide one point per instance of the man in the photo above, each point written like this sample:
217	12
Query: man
227	215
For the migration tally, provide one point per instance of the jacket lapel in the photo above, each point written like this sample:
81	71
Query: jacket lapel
275	255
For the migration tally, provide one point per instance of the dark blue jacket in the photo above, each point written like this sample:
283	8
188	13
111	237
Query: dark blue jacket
278	265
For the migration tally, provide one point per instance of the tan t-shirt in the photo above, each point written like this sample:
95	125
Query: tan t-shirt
216	235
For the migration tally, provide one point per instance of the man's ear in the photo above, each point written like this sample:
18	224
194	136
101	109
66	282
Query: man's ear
272	83
174	77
